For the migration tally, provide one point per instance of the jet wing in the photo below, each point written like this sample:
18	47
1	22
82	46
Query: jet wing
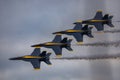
57	38
98	15
36	52
99	26
78	26
57	50
36	64
78	37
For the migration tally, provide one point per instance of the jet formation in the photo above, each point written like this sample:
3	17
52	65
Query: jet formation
80	29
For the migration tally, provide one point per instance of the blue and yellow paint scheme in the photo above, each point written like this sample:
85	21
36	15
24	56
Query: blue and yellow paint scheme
56	45
98	21
35	58
77	32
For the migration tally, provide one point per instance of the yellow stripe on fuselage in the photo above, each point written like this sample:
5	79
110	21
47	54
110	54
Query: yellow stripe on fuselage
98	20
52	43
74	30
28	57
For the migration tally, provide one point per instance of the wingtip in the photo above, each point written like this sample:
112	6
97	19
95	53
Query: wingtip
79	43
99	10
58	56
36	68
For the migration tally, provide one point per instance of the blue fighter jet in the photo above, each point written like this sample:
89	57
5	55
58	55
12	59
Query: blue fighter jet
77	32
35	58
99	21
57	44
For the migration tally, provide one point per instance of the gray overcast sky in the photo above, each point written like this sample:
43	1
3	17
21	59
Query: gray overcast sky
27	22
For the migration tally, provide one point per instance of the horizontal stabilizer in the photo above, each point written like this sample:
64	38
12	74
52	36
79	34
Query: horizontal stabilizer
69	48
110	24
48	62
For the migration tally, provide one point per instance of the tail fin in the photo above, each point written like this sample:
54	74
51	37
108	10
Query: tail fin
85	27
43	54
106	16
87	31
64	40
110	21
68	47
47	61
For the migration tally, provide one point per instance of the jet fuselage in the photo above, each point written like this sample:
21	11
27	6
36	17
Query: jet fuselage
92	21
29	58
71	31
50	44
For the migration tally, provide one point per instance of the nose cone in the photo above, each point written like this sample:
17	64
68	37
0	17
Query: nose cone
55	33
16	58
37	45
33	45
60	32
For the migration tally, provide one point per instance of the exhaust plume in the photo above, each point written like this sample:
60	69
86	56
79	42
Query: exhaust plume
103	44
89	58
